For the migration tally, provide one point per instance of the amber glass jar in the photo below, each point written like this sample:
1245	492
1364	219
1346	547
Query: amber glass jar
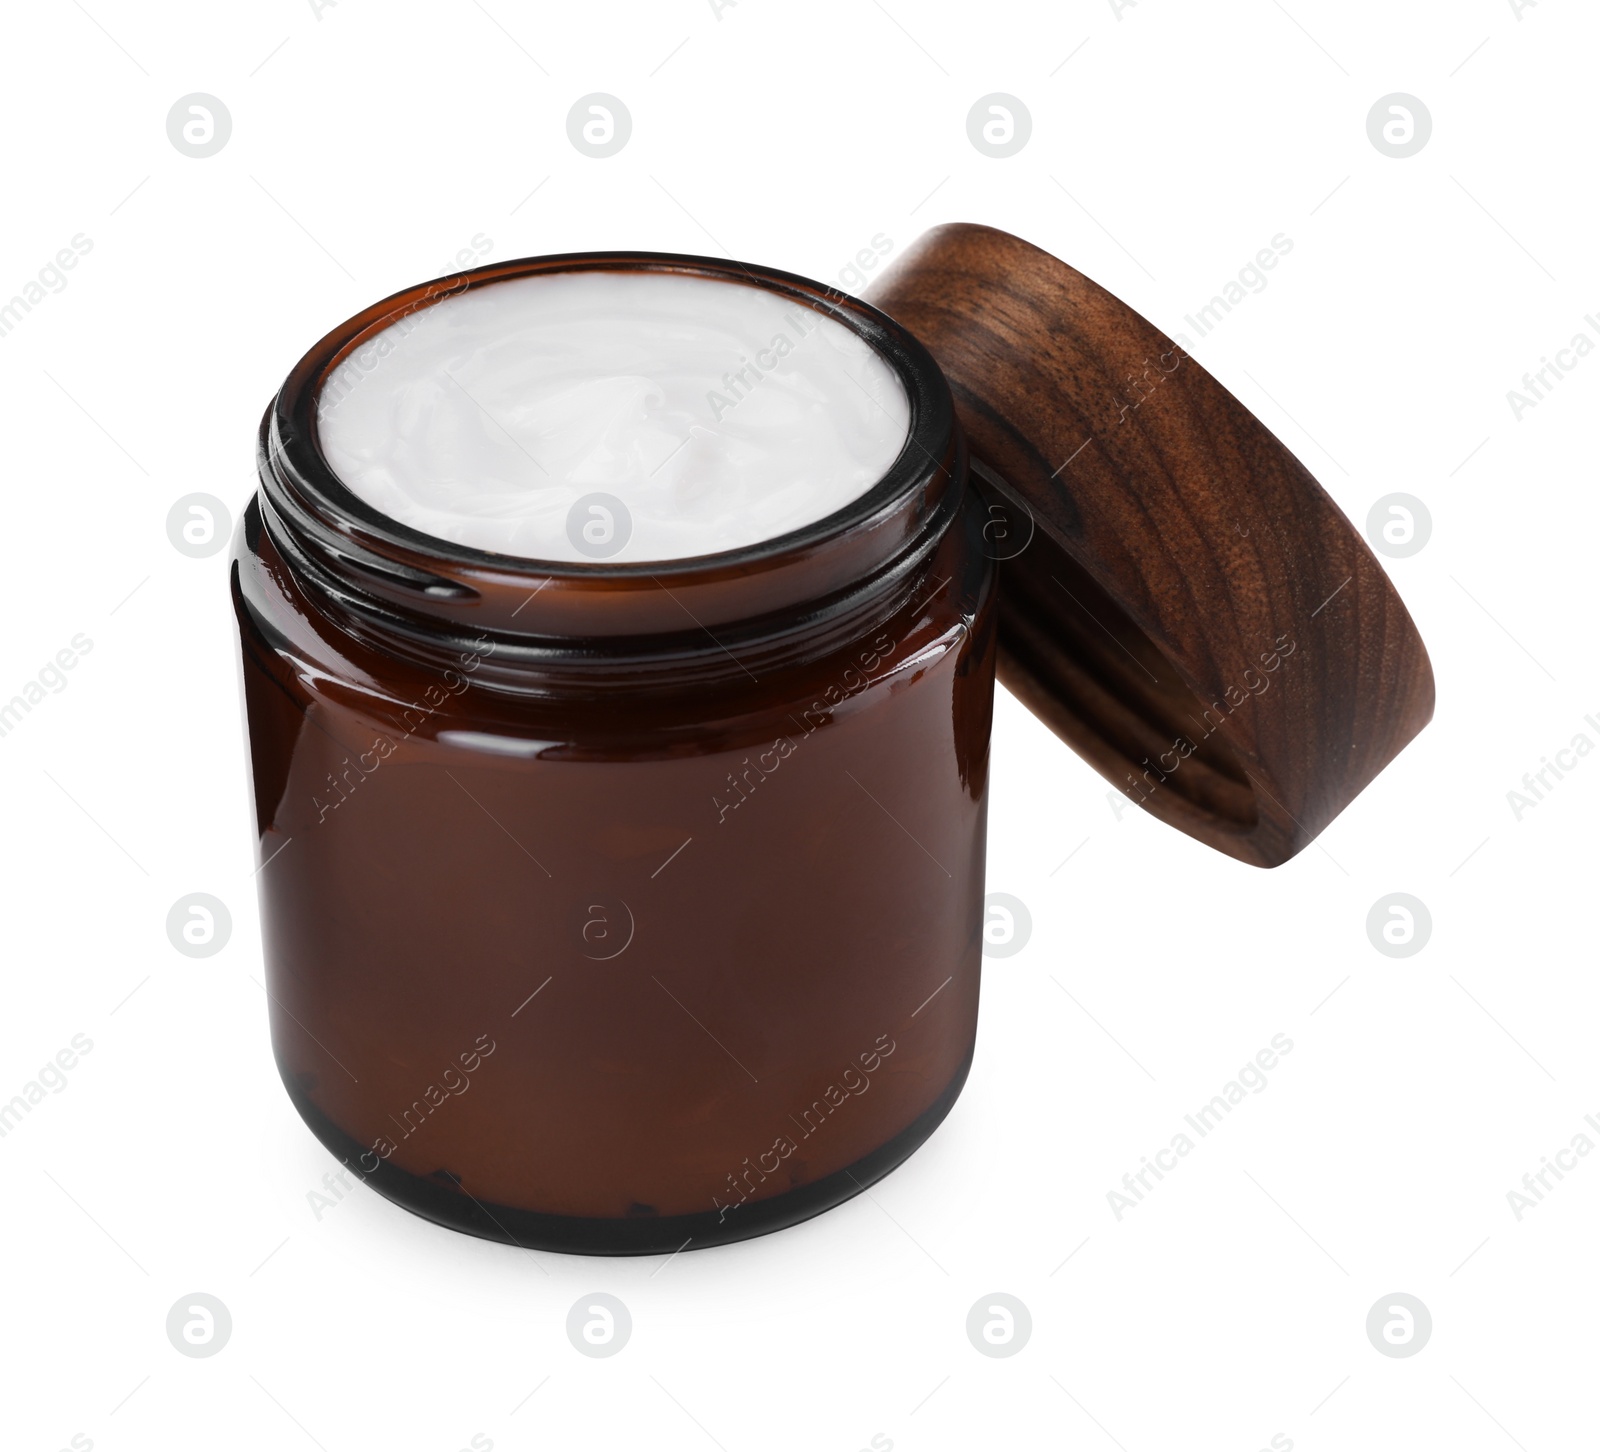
620	907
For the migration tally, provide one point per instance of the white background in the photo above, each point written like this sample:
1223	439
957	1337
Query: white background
1170	143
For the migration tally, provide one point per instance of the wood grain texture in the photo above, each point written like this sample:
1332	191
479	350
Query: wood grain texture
1181	601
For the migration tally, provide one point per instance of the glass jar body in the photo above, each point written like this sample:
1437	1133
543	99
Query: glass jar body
609	973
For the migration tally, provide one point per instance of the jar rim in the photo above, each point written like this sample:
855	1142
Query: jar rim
373	554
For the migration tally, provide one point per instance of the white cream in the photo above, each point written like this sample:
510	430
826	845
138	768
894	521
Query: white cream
720	415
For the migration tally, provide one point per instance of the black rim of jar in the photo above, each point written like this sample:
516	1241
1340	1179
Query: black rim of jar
379	577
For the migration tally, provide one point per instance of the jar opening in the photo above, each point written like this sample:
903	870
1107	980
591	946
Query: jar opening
372	561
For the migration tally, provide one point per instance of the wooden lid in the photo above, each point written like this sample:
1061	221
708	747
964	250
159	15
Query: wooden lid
1180	600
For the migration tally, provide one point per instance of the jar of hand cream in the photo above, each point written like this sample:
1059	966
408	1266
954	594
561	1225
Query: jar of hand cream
618	650
619	637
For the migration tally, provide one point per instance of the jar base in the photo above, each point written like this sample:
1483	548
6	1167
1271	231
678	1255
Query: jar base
447	1205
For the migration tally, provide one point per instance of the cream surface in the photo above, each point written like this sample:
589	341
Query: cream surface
717	413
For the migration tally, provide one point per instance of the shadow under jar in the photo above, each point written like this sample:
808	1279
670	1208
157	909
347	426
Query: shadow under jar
609	907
